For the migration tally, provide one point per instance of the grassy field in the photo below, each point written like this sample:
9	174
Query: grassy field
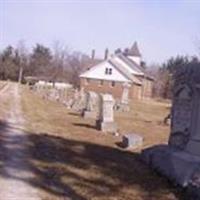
72	159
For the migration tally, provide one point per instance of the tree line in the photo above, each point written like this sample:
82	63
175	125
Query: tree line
164	75
61	64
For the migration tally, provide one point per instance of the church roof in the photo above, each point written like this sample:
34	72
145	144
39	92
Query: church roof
138	69
125	72
128	68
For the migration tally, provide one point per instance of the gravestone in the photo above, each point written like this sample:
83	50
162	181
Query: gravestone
105	121
53	94
91	105
181	116
83	96
123	104
125	93
132	141
69	98
179	161
76	100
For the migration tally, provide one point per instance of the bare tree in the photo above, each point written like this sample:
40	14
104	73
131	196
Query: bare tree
59	62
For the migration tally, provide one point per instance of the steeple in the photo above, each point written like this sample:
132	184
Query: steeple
134	51
133	54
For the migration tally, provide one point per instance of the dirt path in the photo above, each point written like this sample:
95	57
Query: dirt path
14	152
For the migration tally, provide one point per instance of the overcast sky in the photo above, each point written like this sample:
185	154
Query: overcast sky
162	28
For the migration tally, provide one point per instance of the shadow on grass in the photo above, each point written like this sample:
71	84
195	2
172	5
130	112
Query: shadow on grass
74	114
121	145
75	169
85	125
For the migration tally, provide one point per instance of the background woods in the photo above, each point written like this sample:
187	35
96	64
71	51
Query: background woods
164	75
59	64
62	64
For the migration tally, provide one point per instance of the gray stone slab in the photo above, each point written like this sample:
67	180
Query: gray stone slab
132	140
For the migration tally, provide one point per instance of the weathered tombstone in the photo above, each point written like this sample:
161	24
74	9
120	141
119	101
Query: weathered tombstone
180	159
91	109
125	94
53	95
123	104
78	103
69	98
105	121
132	141
181	116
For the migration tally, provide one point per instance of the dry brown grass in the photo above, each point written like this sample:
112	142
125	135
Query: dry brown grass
146	118
5	101
72	159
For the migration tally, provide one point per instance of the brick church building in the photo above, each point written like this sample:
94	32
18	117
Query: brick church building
109	75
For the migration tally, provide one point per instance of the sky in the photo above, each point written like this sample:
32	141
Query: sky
162	28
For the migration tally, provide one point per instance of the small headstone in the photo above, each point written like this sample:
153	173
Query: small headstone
132	141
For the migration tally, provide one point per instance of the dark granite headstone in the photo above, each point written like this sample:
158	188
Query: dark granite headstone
179	161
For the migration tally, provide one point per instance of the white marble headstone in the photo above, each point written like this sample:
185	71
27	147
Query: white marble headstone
108	103
125	93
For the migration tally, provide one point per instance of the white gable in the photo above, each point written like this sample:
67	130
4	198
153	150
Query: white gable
98	72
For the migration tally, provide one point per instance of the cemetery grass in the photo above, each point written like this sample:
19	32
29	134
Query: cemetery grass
5	102
72	160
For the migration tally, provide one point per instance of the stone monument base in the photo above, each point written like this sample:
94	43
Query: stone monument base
89	115
110	127
177	165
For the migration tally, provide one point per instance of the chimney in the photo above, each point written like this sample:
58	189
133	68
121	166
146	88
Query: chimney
93	54
118	51
106	54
